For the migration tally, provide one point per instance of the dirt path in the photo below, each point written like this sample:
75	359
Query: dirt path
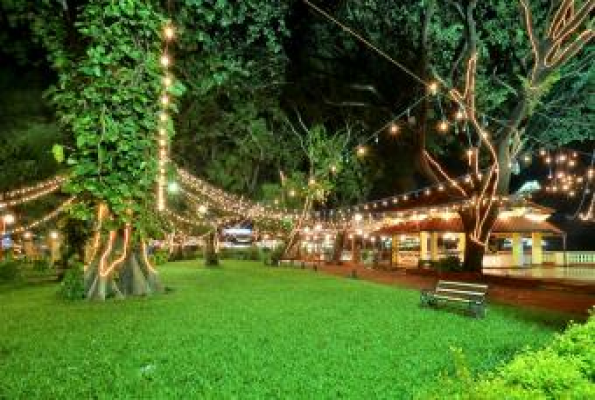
550	295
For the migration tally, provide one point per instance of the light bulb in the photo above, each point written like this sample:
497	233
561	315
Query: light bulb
169	32
394	129
433	87
443	126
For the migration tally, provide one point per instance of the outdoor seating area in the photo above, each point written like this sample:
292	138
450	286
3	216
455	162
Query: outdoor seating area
299	199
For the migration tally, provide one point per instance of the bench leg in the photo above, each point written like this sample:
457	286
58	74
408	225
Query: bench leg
477	309
426	299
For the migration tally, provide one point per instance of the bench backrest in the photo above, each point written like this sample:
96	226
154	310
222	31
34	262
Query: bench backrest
462	290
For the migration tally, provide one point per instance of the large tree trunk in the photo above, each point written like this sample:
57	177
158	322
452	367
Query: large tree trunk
293	240
211	250
338	247
478	222
119	268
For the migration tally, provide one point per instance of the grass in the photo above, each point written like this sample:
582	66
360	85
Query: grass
248	331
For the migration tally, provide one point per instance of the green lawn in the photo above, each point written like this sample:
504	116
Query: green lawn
248	331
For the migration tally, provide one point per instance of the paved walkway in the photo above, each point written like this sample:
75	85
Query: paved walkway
551	295
585	274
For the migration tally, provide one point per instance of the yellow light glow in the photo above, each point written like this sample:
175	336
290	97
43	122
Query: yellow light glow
443	126
8	219
433	88
169	32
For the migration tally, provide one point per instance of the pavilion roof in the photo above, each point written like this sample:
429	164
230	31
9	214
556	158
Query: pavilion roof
515	224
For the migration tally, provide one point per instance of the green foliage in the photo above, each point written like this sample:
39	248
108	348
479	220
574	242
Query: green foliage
42	265
27	130
72	286
160	257
274	256
248	253
448	264
10	270
246	322
565	369
106	96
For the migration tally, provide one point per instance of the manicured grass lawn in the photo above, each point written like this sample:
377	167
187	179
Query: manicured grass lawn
248	331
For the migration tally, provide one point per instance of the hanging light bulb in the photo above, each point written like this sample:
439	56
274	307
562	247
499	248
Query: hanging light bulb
394	128
168	80
169	32
165	61
433	88
459	115
164	100
361	151
443	126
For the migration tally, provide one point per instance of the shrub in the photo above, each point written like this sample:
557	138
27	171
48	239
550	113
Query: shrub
42	265
160	257
254	253
72	286
274	256
448	264
10	270
563	370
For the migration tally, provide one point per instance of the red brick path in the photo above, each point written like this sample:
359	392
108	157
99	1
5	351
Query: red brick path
551	295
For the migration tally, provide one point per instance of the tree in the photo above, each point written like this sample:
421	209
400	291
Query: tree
497	149
325	156
106	55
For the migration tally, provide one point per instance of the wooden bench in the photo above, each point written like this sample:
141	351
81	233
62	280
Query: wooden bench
302	263
471	294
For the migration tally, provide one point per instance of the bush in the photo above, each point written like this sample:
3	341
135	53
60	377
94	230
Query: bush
42	265
274	256
10	270
448	264
251	253
563	370
72	286
254	253
160	257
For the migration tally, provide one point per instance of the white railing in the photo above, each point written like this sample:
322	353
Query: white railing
557	258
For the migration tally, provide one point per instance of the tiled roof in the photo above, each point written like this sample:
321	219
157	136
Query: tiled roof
502	225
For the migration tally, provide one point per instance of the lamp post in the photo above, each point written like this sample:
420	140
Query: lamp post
6	219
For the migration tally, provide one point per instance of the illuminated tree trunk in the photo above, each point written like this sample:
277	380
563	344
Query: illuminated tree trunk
292	242
119	267
477	224
211	251
338	247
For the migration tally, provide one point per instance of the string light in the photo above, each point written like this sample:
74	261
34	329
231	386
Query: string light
393	129
433	88
443	126
45	187
361	151
48	217
162	139
29	194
